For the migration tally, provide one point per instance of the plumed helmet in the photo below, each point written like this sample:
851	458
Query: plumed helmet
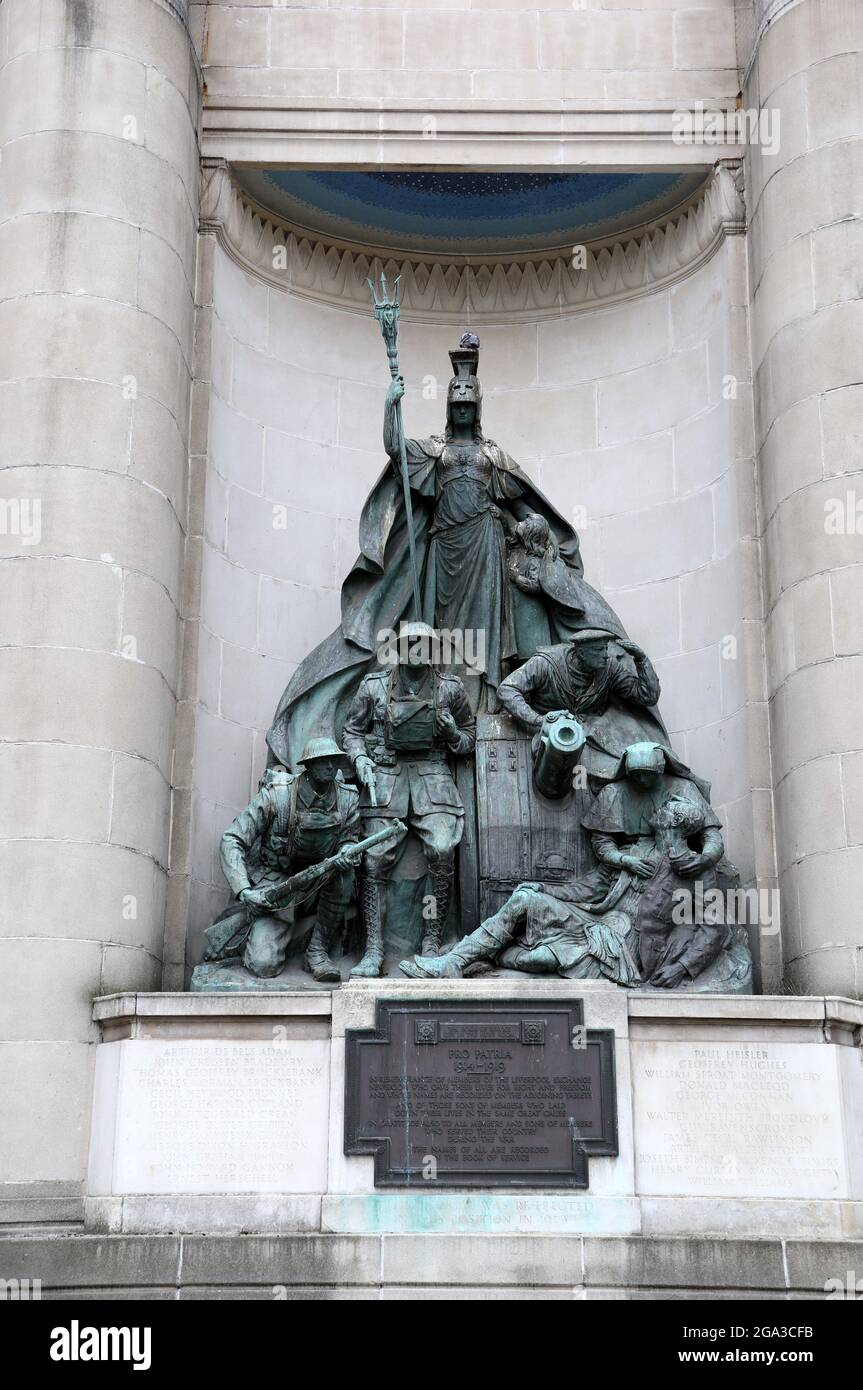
465	384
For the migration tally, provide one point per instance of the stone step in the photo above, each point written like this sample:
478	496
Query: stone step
414	1266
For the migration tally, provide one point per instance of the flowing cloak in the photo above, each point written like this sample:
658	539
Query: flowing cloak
377	594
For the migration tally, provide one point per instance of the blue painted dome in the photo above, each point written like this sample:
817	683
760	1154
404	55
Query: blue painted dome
471	213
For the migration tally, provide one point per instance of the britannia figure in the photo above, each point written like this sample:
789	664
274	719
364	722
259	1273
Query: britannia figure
459	497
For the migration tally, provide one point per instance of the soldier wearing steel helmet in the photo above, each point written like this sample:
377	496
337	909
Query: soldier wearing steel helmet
404	726
296	820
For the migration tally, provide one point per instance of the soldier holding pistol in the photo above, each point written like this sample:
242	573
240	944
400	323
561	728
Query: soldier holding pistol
403	726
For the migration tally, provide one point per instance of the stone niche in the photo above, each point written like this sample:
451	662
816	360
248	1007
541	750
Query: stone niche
613	394
737	1117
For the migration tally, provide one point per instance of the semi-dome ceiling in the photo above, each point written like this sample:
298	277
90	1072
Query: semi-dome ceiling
473	214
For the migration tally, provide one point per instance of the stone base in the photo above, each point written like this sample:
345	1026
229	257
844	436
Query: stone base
508	1214
218	1170
739	1118
731	974
230	977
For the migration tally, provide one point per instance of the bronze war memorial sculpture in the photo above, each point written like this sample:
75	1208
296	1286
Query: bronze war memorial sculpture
471	774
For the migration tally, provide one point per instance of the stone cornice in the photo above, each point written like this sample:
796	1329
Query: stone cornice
474	289
560	136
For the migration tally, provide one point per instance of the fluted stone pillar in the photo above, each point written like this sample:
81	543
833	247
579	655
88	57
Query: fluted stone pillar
806	269
99	114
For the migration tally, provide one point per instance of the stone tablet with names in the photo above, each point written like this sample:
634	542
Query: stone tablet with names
738	1119
203	1116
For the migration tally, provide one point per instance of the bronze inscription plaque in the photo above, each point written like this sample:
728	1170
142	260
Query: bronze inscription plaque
488	1094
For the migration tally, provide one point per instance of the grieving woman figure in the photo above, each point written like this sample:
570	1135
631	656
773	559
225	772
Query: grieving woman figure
630	920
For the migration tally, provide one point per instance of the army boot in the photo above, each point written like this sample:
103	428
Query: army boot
372	962
317	959
442	876
467	957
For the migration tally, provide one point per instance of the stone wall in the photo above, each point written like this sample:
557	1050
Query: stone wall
636	422
613	51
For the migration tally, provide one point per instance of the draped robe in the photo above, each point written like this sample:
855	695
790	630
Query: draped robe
461	553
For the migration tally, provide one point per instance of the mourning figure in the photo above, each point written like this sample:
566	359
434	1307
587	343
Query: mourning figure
654	836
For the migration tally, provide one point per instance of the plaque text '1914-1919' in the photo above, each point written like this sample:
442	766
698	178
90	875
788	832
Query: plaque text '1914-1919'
498	1093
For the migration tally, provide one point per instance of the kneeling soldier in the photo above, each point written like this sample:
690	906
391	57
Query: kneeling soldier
296	820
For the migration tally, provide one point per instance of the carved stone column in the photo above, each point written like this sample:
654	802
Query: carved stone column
806	247
99	114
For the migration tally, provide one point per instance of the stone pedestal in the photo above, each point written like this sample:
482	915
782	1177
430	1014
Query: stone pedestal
738	1122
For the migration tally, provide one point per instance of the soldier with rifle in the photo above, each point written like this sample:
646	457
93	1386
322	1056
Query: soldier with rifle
305	825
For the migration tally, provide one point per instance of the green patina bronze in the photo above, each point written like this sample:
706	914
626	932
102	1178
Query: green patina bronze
468	498
654	837
479	695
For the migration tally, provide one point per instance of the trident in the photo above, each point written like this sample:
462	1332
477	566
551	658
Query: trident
386	311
